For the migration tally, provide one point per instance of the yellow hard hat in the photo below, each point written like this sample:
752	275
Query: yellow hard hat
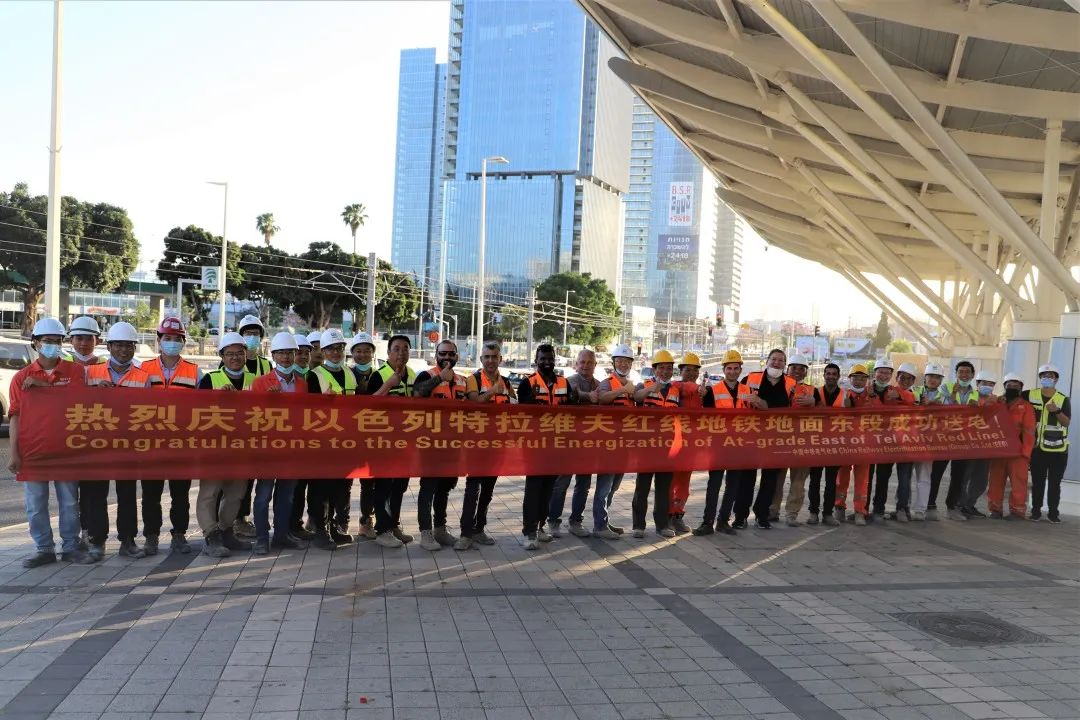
856	369
690	359
662	356
731	356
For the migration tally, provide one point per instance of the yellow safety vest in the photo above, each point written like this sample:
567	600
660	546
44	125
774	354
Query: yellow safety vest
1050	437
406	387
219	380
329	384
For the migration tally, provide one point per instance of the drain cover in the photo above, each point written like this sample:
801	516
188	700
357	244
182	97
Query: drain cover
970	627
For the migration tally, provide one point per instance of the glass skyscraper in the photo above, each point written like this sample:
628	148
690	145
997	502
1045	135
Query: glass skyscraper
527	80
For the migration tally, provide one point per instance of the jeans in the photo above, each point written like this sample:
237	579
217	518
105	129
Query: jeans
433	496
937	471
1047	469
614	489
661	493
903	485
880	479
601	499
389	493
535	503
577	503
816	501
282	492
474	507
712	495
179	508
94	510
37	514
976	480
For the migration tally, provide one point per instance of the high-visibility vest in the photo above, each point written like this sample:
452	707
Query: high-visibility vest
220	380
1050	435
722	395
100	374
617	384
921	391
841	398
453	390
262	367
800	390
185	374
485	385
673	398
862	399
754	380
953	389
405	387
558	394
328	384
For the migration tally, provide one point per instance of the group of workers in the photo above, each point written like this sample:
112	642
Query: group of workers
320	363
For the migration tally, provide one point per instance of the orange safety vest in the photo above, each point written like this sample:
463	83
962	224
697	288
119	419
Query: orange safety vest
754	380
557	395
99	374
862	399
185	375
617	384
721	394
841	398
453	390
800	390
655	399
485	385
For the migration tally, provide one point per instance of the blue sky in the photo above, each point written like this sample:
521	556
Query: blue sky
294	104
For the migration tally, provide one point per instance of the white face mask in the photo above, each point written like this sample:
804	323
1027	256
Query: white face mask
773	372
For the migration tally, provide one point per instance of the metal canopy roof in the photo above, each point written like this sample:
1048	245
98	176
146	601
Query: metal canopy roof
917	139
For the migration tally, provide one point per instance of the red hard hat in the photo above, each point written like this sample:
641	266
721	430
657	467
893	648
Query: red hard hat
171	326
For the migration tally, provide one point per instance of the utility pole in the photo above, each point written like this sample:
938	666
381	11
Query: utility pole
671	300
566	313
420	325
369	321
52	219
531	298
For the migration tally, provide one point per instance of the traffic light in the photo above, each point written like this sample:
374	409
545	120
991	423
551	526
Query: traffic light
817	330
719	318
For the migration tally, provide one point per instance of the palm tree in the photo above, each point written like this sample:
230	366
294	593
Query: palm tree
354	216
265	225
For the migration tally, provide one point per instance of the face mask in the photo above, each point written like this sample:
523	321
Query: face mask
283	369
251	342
985	390
331	365
858	391
49	352
880	385
233	373
964	383
84	358
363	367
1011	394
302	371
1047	382
773	373
171	348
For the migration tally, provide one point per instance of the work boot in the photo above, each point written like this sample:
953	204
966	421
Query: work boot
680	527
830	520
764	524
340	538
1053	518
342	526
243	528
956	514
530	543
443	536
367	531
229	540
1036	516
723	527
774	518
860	519
179	544
703	529
39	559
214	545
286	541
544	537
403	537
579	530
323	541
261	547
974	512
482	538
96	553
428	541
739	524
386	539
813	519
463	543
639	533
793	521
84	540
76	557
150	546
605	533
300	533
666	533
554	529
128	548
903	516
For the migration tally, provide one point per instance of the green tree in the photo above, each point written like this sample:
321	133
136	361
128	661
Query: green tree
187	250
456	306
267	227
513	321
882	336
397	296
354	215
899	345
144	319
98	248
594	312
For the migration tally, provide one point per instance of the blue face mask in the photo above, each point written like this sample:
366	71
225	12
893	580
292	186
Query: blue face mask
233	373
49	351
1047	382
171	348
363	367
858	390
299	370
251	342
284	369
985	390
331	365
964	383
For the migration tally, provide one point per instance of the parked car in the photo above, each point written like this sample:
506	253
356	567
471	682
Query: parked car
14	356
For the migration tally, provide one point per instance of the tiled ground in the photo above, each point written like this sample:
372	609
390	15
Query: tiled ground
781	624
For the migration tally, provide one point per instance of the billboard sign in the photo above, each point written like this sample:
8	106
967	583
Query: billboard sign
210	276
681	204
677	252
816	348
847	346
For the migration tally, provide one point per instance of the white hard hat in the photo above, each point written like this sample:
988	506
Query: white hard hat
1049	368
283	341
48	326
934	369
985	376
314	337
84	325
908	368
250	321
333	336
622	351
302	341
1012	377
884	365
230	338
122	332
361	339
799	360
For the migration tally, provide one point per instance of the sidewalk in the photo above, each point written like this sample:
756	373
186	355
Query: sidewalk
810	623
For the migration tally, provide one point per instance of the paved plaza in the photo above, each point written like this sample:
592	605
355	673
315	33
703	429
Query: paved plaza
805	623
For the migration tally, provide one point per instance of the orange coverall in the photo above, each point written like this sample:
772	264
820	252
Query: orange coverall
862	472
1016	469
690	397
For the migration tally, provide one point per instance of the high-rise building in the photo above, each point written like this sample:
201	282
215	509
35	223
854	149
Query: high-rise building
527	81
682	247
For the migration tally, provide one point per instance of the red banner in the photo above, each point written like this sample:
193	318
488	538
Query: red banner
108	434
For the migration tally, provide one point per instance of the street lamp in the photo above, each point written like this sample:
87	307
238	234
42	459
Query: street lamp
224	255
566	313
483	241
